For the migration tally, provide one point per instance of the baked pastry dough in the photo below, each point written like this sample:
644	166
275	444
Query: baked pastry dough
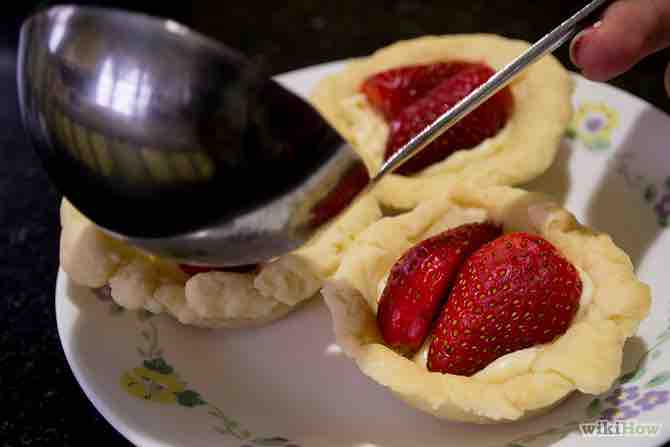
211	299
521	151
522	383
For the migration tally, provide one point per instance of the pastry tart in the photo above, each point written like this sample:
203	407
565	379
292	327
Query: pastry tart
378	102
214	299
586	355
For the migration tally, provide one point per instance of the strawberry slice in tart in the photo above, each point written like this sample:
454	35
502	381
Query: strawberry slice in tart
413	107
420	281
378	103
486	305
513	293
393	90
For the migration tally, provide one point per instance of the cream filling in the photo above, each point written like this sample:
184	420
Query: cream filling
515	363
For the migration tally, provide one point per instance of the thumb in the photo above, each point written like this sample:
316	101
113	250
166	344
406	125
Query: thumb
629	31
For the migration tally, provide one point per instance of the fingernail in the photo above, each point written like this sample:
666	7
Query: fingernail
578	42
576	46
667	80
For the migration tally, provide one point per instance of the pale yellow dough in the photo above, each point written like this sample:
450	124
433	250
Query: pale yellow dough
524	149
586	358
211	299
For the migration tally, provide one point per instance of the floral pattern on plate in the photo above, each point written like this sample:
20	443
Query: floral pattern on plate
654	189
157	381
593	125
625	401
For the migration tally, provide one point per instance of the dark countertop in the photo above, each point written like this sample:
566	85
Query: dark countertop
41	401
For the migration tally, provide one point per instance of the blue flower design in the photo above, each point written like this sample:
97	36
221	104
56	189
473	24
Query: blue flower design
622	395
619	413
653	399
594	123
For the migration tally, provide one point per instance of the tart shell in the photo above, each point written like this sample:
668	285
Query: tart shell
586	358
211	299
521	151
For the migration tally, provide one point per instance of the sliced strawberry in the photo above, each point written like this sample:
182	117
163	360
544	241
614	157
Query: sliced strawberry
513	293
195	269
393	90
485	122
420	281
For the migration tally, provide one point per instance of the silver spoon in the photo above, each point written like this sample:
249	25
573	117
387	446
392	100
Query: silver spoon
173	142
178	145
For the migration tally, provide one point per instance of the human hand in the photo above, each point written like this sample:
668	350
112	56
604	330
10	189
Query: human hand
629	31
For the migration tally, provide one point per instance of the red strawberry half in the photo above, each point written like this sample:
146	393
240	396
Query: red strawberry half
420	282
391	91
410	98
485	122
512	293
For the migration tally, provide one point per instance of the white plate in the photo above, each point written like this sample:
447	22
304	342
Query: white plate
287	384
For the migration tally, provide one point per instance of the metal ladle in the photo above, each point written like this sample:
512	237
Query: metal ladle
180	146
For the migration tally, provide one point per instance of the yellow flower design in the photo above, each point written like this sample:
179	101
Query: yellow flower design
594	123
152	385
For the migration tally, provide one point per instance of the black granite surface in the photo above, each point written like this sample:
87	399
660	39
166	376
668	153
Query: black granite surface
40	401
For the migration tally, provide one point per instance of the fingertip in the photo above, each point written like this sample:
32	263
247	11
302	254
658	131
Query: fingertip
576	46
588	54
628	32
603	53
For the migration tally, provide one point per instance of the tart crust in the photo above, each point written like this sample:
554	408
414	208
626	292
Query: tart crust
523	383
521	151
211	299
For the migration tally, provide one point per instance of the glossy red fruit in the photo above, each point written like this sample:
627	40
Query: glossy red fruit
485	122
391	91
420	282
513	293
